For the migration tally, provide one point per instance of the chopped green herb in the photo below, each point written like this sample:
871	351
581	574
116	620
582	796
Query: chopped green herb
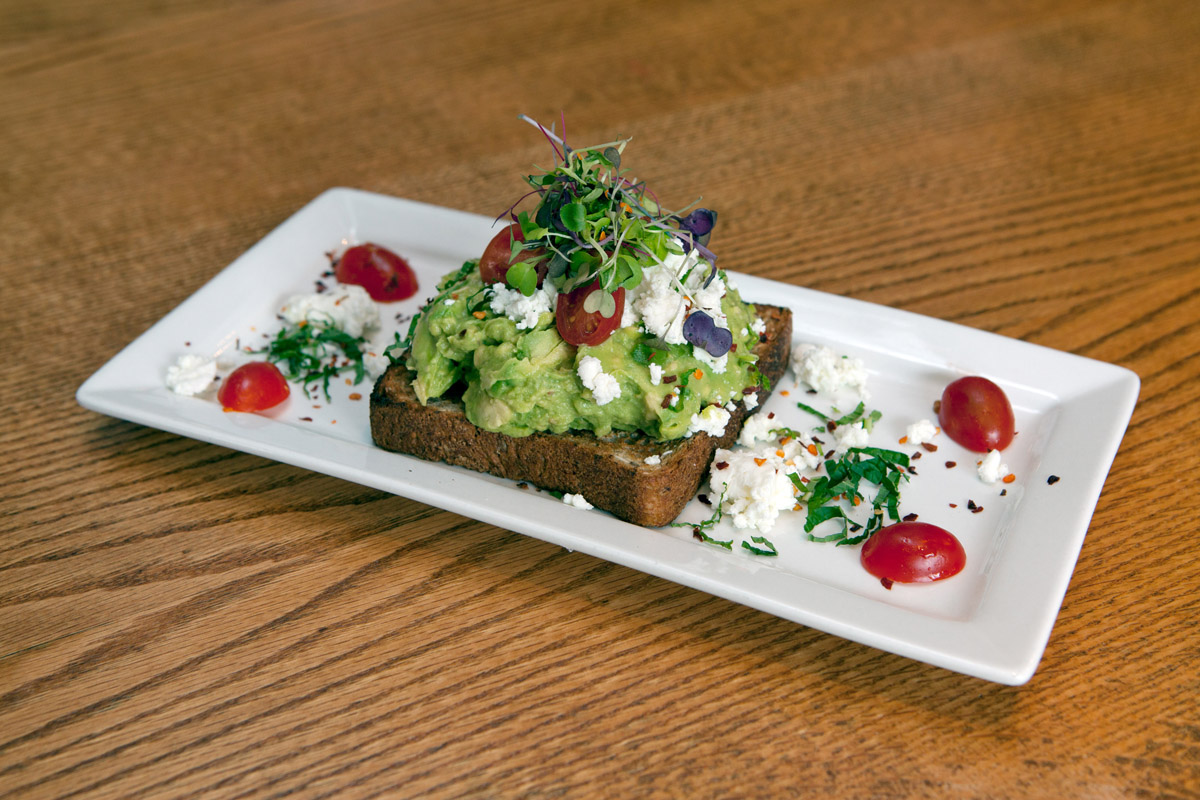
760	551
315	352
828	496
699	528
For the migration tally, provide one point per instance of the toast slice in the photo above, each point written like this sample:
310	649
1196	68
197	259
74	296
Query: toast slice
610	472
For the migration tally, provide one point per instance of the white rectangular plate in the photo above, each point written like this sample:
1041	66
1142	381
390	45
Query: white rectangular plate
992	620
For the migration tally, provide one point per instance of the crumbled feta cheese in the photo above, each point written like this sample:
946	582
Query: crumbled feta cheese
731	406
576	500
662	298
756	429
449	301
376	364
655	374
920	432
852	435
717	365
604	387
191	374
754	488
525	311
990	468
711	420
750	401
344	306
758	326
653	460
824	371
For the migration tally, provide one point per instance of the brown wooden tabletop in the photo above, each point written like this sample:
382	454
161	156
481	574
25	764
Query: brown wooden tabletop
182	620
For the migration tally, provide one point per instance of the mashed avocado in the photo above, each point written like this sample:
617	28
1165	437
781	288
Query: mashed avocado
517	380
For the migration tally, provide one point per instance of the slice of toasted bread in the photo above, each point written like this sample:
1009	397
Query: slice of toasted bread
610	472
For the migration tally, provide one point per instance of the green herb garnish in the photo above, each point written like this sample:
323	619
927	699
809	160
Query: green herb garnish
854	416
699	528
315	352
842	484
760	551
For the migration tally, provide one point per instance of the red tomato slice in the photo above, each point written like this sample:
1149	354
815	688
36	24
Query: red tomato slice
386	276
256	386
976	413
577	326
913	552
497	256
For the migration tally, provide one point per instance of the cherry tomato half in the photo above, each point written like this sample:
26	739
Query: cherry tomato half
913	552
497	256
976	413
386	276
577	326
256	386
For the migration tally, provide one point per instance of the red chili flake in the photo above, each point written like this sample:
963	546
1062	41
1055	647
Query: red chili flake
733	347
666	403
355	396
722	465
306	419
670	378
187	344
954	505
916	455
911	469
771	415
831	426
951	464
762	337
1003	492
910	517
321	287
971	505
976	509
1053	479
703	498
697	533
750	390
887	583
811	391
929	447
937	406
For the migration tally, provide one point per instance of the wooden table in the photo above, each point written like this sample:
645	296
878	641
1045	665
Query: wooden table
180	620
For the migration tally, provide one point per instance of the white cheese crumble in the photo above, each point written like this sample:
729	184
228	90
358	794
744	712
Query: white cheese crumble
750	401
662	300
375	364
344	306
191	374
852	435
711	420
604	387
655	374
920	432
576	500
991	469
525	311
756	429
758	326
717	365
823	370
754	488
653	460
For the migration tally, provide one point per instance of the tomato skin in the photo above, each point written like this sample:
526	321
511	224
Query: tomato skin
976	413
255	386
386	276
497	256
913	552
579	327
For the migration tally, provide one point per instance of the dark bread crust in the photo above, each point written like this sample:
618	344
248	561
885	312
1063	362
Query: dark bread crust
609	471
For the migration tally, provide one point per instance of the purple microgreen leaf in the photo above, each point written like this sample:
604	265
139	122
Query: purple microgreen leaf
700	330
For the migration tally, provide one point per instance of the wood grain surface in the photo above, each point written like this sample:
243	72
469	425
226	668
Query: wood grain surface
180	620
